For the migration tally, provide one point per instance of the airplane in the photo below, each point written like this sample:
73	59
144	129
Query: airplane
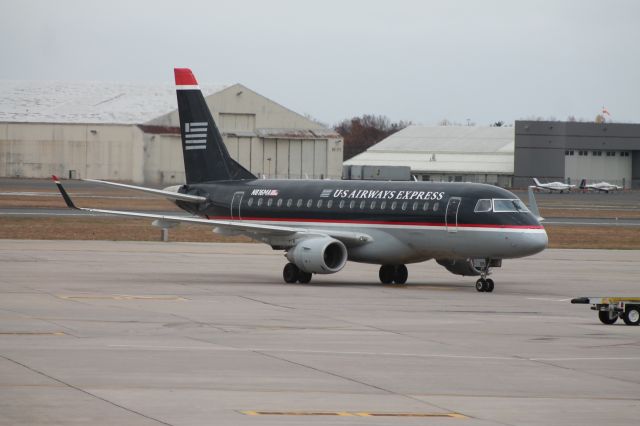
553	186
600	186
468	228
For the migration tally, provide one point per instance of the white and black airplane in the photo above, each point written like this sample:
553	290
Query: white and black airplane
553	186
600	186
320	224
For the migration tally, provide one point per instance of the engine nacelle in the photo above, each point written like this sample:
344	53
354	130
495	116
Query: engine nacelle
464	267
321	255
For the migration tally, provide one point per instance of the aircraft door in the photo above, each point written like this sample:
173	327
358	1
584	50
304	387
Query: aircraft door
451	216
235	204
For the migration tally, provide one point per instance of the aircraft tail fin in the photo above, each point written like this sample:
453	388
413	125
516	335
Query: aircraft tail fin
205	155
583	184
537	181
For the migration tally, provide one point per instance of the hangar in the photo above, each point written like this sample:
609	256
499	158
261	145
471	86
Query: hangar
447	153
570	151
130	132
512	156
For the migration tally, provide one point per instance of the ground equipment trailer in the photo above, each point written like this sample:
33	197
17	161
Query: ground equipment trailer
611	308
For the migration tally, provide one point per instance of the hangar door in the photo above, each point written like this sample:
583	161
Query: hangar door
598	165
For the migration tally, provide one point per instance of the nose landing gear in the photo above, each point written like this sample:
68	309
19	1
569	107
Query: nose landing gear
485	284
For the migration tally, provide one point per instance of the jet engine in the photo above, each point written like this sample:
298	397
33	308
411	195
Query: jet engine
468	267
320	255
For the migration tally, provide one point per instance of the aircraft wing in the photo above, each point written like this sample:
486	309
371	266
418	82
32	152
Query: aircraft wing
259	231
167	194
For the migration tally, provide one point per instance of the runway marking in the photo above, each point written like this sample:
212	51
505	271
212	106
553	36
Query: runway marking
362	353
349	414
545	299
32	333
123	297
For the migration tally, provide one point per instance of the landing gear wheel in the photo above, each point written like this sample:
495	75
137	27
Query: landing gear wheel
481	285
401	274
386	274
290	273
489	285
607	317
632	315
304	277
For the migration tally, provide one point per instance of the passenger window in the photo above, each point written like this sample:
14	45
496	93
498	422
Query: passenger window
435	206
373	205
383	205
483	206
341	205
289	202
426	206
279	203
352	204
393	205
309	203
404	206
329	204
299	203
362	204
250	202
259	202
319	204
415	206
269	202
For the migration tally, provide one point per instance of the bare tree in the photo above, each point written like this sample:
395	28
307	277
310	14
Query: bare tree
359	133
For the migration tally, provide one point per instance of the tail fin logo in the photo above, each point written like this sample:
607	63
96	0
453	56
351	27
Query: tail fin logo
195	134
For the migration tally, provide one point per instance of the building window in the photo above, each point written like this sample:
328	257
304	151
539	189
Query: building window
624	154
611	153
597	153
568	152
582	153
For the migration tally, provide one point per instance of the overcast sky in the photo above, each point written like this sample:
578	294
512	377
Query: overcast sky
409	60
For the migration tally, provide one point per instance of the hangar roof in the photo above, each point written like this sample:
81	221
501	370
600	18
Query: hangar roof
444	149
87	102
457	139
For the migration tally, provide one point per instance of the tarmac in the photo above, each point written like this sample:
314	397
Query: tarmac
144	333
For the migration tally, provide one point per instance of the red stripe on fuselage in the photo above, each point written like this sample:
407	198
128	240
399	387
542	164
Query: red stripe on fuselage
375	222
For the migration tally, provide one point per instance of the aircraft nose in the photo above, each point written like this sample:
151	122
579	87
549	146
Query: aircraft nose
535	242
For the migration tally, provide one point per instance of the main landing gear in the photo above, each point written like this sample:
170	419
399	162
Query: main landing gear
396	274
292	274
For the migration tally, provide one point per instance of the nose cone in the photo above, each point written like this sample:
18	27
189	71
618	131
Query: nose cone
532	242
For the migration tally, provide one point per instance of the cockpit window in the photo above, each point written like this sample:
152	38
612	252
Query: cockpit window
503	206
483	205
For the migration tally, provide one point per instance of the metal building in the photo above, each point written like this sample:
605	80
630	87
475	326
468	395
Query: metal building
447	153
131	133
572	151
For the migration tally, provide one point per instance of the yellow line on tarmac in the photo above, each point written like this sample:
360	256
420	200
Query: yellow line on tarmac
349	414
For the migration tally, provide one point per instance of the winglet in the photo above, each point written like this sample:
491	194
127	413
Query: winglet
66	197
533	205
